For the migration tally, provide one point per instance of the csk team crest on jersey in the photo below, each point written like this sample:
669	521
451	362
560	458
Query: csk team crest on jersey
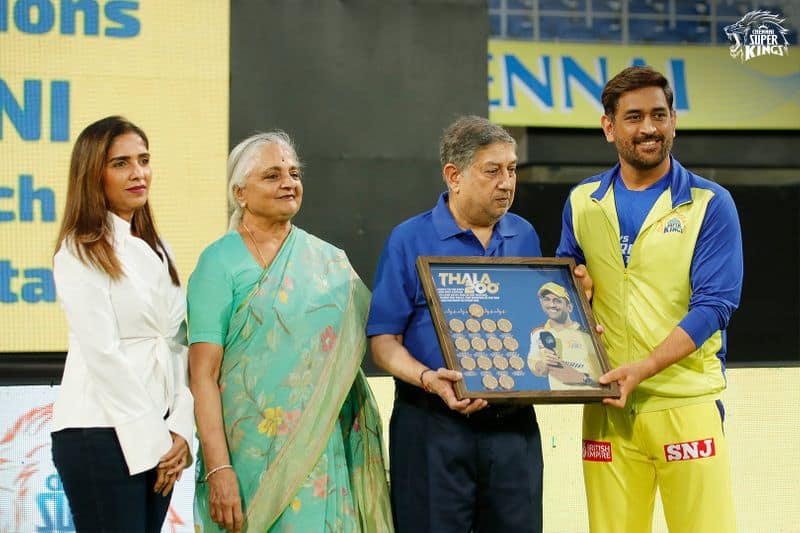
674	223
758	33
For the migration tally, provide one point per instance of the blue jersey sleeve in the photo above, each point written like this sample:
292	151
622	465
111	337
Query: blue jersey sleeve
393	294
568	246
716	271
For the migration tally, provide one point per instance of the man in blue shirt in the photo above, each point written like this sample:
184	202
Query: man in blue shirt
455	465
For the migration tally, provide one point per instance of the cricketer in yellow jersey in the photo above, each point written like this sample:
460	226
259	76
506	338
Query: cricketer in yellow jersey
663	247
561	349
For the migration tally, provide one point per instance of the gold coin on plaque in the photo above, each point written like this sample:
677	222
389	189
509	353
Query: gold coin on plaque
489	381
500	362
475	310
456	325
506	381
488	325
478	344
473	326
462	344
511	344
504	325
494	343
467	363
484	362
516	362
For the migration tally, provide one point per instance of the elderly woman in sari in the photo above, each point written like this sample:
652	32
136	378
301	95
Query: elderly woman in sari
289	431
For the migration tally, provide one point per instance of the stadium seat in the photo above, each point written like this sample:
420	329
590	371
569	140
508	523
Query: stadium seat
495	26
648	31
607	29
610	6
692	31
648	6
576	6
519	27
732	8
693	7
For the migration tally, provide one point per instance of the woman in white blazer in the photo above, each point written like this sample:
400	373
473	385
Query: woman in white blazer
123	418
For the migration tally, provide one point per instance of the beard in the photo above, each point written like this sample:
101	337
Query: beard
628	151
559	317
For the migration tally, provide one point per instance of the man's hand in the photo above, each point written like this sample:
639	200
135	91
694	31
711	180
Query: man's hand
675	347
551	359
628	378
585	280
441	382
568	375
588	288
540	368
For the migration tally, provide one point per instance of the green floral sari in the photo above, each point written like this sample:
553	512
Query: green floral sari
302	426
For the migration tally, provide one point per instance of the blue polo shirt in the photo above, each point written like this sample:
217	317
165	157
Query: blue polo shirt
398	302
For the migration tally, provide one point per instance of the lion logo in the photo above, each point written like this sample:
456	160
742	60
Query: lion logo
757	33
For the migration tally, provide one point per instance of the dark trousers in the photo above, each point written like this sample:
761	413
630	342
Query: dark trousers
102	495
450	473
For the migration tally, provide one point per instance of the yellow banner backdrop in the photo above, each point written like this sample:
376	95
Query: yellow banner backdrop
63	65
559	85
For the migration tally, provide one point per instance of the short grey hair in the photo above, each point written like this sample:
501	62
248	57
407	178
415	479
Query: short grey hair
240	164
466	136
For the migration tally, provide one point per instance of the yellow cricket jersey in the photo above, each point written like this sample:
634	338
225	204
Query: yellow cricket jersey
685	268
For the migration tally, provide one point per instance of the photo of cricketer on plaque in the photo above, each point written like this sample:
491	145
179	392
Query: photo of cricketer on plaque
562	348
516	328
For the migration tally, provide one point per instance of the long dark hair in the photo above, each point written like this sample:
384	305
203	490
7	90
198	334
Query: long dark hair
85	223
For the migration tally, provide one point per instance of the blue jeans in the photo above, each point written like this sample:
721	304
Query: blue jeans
102	495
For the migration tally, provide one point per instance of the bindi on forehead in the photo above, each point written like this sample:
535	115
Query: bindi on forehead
283	155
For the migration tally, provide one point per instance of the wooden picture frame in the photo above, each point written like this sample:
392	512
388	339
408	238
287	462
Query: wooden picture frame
520	330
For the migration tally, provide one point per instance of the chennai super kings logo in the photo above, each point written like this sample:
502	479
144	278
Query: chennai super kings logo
673	223
758	33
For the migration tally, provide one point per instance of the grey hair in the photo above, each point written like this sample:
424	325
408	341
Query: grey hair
240	164
466	136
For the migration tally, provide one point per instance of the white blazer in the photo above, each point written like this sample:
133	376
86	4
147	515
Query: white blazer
127	361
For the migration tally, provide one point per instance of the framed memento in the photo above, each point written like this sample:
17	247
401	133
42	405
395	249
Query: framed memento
520	330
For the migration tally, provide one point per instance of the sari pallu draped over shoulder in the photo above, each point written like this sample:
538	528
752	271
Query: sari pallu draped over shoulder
291	370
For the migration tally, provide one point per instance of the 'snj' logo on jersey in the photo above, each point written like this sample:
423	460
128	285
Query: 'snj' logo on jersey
686	451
